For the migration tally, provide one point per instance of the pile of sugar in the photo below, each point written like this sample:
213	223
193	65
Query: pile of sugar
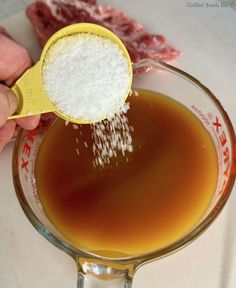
86	76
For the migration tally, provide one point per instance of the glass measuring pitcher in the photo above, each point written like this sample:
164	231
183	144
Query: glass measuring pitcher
98	271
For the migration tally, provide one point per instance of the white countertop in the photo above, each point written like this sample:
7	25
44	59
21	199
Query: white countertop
206	36
11	7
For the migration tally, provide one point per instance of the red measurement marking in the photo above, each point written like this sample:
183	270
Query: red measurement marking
24	164
31	135
217	124
27	149
226	155
223	139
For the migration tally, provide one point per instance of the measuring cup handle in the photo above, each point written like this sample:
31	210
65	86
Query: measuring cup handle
30	94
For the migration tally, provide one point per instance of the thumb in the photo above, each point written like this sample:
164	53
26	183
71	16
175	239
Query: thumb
8	103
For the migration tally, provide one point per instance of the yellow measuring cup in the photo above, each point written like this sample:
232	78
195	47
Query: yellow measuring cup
29	89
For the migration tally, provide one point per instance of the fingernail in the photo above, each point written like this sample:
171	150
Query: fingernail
12	101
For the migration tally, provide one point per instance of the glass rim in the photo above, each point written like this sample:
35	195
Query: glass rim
161	252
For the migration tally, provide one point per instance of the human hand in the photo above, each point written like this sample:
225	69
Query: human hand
14	61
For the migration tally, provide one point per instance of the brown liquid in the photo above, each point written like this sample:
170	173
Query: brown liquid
137	206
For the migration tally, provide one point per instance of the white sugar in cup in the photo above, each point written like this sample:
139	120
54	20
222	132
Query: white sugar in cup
86	76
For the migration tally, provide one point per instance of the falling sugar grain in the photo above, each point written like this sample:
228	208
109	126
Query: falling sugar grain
108	138
112	136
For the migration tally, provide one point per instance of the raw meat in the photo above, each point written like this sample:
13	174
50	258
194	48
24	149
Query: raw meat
48	16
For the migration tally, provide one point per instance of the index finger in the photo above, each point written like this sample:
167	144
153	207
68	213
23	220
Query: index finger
14	59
